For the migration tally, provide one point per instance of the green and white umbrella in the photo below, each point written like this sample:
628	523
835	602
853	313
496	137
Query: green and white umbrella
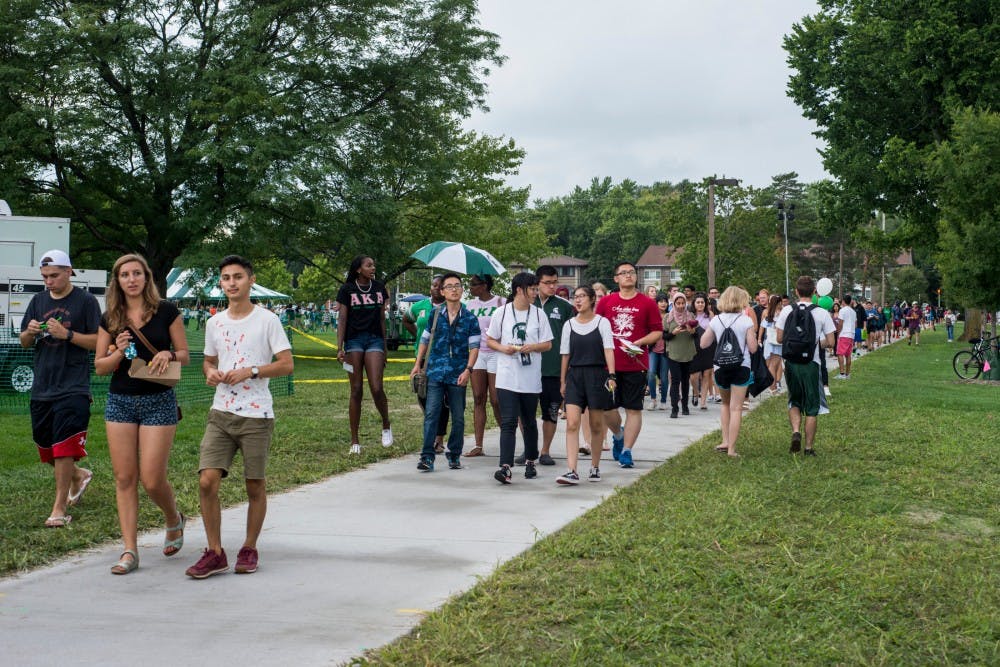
459	258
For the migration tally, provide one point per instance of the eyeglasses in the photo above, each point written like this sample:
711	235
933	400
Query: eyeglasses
626	273
578	297
453	286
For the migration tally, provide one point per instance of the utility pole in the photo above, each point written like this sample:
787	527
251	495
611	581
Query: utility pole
786	214
712	182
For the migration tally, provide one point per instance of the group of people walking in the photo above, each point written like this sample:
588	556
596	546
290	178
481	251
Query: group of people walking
140	342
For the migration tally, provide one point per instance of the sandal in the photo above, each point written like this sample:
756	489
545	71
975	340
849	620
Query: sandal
170	547
475	451
722	449
58	521
74	498
126	565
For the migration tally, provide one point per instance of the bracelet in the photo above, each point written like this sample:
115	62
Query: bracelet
469	368
173	356
612	376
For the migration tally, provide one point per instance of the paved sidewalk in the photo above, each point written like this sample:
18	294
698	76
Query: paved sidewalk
347	564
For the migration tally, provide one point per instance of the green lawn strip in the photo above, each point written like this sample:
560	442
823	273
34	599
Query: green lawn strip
311	442
882	550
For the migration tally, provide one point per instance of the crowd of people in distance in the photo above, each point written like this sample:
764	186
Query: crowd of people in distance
597	358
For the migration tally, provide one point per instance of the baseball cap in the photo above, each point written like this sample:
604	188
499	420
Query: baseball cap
55	258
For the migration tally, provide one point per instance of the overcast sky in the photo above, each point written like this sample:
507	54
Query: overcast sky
652	90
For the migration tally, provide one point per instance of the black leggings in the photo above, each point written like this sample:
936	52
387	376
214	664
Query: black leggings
680	381
514	406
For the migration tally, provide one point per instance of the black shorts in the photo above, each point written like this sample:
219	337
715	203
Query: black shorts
586	388
631	390
59	428
734	377
550	400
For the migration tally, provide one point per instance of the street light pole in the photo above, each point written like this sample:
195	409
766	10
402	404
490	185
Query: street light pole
712	182
785	215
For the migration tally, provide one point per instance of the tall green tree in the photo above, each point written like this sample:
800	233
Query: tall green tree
967	172
879	78
159	123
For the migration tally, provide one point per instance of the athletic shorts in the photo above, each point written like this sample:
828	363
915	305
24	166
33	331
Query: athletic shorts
802	381
225	433
364	342
550	400
486	361
631	390
586	387
844	346
59	427
159	409
857	335
772	350
735	377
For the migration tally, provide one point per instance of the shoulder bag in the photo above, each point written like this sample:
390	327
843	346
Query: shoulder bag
418	383
140	371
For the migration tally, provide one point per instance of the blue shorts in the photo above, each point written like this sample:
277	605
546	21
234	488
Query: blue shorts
737	377
364	342
158	409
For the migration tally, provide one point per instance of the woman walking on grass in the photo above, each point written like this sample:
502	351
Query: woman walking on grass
141	416
732	383
361	342
587	379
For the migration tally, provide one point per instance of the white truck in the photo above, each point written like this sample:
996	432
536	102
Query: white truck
23	239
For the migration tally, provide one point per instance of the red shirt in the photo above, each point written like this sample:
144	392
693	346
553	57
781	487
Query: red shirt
631	319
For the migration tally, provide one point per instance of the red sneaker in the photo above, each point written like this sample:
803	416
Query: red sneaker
246	561
210	563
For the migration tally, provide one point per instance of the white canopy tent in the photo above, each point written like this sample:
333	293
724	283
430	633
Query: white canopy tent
187	284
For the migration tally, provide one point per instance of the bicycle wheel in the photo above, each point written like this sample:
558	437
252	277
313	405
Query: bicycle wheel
967	365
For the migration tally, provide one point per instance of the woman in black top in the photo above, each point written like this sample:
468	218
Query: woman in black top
361	342
141	416
588	379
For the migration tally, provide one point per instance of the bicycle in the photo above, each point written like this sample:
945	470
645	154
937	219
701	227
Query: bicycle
968	364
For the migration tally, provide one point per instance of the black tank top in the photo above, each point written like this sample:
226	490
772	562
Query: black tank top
586	349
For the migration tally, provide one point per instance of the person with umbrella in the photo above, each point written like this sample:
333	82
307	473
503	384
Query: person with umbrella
361	342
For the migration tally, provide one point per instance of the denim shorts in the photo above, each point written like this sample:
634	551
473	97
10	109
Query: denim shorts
365	342
158	409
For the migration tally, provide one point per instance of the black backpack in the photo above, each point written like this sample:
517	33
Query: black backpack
799	336
728	353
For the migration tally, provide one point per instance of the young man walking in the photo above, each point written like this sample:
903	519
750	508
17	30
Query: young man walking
61	325
559	311
450	343
803	381
845	344
244	346
635	323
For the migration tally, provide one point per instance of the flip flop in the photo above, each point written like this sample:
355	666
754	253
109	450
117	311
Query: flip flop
475	451
74	498
58	521
722	449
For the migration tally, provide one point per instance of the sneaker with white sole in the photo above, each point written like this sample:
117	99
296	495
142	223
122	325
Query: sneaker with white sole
387	437
595	475
355	448
826	390
652	404
569	478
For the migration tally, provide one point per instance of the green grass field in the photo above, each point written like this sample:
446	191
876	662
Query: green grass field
881	550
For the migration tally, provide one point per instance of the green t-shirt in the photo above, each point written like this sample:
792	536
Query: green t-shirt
420	312
559	311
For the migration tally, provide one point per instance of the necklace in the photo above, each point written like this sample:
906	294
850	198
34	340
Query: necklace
364	291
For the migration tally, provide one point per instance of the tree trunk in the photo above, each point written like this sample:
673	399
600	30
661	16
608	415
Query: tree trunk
973	324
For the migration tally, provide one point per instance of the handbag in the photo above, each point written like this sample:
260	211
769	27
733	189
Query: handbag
418	383
140	371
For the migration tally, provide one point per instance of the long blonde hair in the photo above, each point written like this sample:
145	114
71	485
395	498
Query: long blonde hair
117	313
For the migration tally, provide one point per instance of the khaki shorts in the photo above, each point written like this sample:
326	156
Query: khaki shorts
225	433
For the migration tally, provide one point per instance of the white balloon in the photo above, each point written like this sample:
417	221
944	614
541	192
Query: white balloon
824	286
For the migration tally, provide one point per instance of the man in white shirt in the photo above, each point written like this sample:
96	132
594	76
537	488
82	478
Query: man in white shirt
805	389
845	344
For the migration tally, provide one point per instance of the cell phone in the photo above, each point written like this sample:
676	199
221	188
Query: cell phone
348	367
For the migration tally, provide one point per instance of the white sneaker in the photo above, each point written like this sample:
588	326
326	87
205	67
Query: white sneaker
355	448
387	437
840	376
652	404
826	390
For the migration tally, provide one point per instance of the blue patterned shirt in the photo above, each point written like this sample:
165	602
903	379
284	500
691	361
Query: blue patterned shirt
449	355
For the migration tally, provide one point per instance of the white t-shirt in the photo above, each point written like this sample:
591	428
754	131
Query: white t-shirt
740	323
848	317
249	341
824	325
600	323
518	327
483	310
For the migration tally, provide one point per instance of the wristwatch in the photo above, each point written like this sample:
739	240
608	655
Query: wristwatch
69	335
254	372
